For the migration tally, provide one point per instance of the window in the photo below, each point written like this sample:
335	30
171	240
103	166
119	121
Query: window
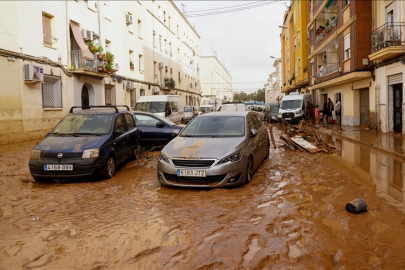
178	54
109	95
120	126
299	38
139	28
312	68
108	46
159	13
47	29
141	63
298	9
174	106
347	46
160	42
165	46
107	10
299	66
164	16
131	60
154	39
170	48
345	3
146	120
295	43
311	36
130	121
177	29
169	21
52	92
132	94
142	92
179	77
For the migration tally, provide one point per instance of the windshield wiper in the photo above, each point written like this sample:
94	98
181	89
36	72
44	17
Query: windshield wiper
86	133
64	134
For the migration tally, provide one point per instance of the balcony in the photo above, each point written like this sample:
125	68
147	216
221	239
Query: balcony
321	33
387	41
81	65
325	74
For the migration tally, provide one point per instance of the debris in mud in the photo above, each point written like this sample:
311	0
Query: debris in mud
297	138
35	218
356	206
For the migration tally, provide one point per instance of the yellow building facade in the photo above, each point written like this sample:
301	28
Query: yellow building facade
294	48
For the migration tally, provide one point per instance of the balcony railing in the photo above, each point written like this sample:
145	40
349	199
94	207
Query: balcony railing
330	69
387	35
78	61
322	34
317	3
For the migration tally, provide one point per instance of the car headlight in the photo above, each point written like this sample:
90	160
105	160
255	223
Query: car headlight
279	113
90	153
232	157
35	154
298	112
163	157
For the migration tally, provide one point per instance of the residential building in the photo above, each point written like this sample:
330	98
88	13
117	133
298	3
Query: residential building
216	82
50	59
338	37
294	48
273	87
386	52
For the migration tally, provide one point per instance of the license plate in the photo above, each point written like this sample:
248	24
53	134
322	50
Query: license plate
58	167
288	119
193	173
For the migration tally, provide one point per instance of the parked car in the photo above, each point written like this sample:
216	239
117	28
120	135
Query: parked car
271	112
206	109
168	106
215	150
154	130
233	107
189	113
86	143
259	110
293	107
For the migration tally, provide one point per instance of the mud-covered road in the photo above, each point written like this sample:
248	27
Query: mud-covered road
292	216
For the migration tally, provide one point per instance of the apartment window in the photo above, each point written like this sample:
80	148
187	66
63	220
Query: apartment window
139	28
178	30
345	3
47	29
170	48
299	66
109	95
160	42
131	60
179	77
164	16
312	68
142	92
108	46
52	92
169	21
298	8
132	94
107	10
311	36
347	46
165	46
154	39
159	13
178	54
295	43
299	38
141	63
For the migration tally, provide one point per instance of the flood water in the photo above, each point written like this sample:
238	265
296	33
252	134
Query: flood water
291	216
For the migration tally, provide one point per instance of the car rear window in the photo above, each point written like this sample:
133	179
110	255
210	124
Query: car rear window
98	124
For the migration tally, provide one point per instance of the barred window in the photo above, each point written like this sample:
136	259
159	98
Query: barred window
109	95
52	92
133	98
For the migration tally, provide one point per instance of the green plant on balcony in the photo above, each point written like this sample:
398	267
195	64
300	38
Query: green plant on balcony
92	47
292	79
131	65
333	18
327	23
108	66
169	82
109	57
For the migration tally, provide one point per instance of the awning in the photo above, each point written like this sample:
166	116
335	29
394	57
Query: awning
329	3
79	39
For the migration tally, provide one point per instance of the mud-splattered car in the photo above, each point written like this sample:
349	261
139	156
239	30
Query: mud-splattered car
215	150
86	143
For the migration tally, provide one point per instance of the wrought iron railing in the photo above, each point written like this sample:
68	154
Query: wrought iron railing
78	61
327	29
387	35
330	69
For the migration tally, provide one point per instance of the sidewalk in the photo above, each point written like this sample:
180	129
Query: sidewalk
391	143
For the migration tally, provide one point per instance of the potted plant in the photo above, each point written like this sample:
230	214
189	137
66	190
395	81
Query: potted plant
109	66
327	23
100	50
131	65
92	47
109	57
333	18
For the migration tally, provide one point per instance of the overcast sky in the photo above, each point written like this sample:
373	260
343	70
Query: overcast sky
243	40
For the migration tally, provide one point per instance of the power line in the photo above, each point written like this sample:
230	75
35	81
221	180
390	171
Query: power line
237	83
195	11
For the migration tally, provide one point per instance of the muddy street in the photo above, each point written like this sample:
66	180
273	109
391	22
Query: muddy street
291	216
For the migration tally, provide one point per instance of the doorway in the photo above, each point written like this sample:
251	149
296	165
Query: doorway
85	97
364	106
397	89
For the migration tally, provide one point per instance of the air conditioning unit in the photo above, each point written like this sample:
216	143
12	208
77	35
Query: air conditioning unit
130	85
324	57
87	34
33	73
155	90
128	18
160	65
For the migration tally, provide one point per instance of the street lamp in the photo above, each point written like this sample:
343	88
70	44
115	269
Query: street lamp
283	27
277	58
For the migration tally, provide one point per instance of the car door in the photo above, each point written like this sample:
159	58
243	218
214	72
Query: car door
150	134
133	134
254	142
121	140
263	136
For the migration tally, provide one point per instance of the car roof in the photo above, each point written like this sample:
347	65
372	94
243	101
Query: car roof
98	111
235	113
145	113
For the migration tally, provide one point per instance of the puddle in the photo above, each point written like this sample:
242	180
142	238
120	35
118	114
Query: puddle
332	223
378	227
253	248
294	251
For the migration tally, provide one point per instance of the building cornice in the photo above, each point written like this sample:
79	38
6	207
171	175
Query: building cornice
185	19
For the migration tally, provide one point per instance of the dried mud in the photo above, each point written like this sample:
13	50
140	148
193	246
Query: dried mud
291	216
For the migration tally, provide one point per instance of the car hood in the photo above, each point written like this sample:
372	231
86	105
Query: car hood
192	147
70	143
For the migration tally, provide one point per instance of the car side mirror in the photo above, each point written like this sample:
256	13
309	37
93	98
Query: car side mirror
47	134
160	124
253	133
175	132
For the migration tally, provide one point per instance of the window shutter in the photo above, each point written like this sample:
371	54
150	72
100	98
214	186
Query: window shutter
347	42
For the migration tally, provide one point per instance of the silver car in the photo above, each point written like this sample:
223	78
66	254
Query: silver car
215	150
189	113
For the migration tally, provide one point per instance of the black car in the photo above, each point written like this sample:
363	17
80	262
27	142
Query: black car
271	112
154	130
89	142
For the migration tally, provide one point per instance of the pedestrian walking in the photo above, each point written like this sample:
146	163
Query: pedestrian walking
330	110
337	110
325	114
317	115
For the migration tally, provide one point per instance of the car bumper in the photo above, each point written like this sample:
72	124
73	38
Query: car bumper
224	175
92	167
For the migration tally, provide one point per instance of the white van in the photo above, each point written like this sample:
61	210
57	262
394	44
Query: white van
293	107
168	106
233	107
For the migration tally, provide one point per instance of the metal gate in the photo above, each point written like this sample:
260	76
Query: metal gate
364	106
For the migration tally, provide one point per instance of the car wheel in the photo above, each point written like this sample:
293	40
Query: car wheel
267	151
110	168
249	171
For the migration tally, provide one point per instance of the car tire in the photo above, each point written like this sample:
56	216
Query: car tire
267	151
41	180
109	168
249	171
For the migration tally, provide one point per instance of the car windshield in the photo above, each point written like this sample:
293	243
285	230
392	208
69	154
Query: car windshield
215	126
207	109
274	109
188	109
290	104
84	124
153	107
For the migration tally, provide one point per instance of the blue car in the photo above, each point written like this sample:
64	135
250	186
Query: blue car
154	130
89	142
